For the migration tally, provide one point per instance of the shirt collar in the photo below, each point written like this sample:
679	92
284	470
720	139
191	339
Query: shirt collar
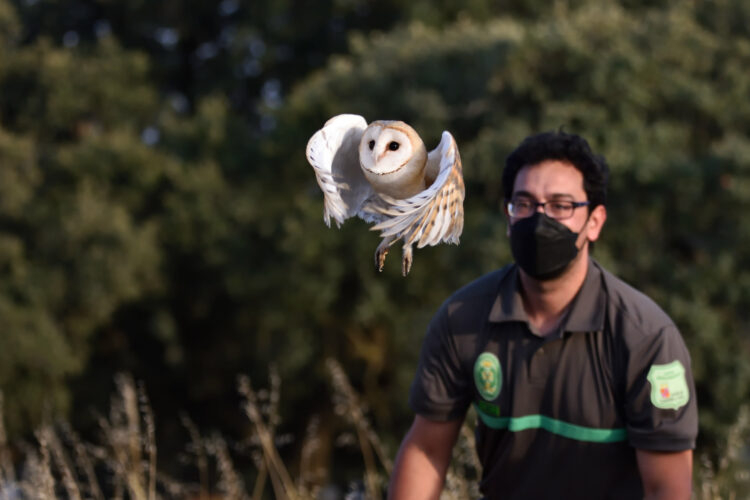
586	312
508	305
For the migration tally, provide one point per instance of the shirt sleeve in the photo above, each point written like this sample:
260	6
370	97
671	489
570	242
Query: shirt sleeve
661	407
441	390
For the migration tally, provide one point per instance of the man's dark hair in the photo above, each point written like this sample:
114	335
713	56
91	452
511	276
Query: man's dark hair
560	146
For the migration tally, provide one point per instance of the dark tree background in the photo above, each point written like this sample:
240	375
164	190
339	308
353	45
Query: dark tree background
158	216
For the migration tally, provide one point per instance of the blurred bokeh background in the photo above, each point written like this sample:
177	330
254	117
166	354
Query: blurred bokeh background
158	216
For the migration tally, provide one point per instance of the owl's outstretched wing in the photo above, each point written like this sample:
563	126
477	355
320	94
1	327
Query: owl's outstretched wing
436	214
333	152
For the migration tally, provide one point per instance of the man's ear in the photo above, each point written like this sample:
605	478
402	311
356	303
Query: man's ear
595	223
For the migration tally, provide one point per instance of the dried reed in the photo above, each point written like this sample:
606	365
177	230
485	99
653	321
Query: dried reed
83	461
230	482
62	462
348	405
729	477
312	474
198	449
283	485
462	478
7	471
39	478
150	439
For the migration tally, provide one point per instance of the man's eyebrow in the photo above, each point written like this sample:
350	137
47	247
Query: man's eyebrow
553	196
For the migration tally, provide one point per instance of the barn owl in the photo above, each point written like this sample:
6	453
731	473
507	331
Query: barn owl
383	174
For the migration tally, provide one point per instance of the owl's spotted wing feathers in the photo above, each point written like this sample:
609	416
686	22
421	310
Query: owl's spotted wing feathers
433	216
333	153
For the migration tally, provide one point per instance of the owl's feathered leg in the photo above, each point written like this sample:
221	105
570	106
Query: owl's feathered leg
406	258
382	251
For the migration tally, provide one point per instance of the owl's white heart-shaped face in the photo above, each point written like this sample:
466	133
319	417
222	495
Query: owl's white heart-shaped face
386	147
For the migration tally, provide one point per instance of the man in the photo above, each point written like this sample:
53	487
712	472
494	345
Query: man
582	384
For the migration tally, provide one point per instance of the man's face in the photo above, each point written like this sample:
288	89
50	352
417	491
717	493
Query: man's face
555	180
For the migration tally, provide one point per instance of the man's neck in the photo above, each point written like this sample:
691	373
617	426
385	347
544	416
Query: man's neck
546	302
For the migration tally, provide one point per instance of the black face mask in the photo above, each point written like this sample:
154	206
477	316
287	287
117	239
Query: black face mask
542	247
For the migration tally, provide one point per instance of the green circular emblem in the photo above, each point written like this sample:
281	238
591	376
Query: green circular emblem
487	375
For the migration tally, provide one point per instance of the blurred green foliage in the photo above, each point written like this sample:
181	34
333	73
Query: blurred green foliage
157	214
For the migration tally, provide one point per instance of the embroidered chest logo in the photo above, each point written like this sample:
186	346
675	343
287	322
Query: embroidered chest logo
669	389
487	375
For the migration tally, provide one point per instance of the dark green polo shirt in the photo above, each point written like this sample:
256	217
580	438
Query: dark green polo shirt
559	416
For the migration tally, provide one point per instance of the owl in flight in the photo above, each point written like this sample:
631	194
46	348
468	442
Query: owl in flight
383	174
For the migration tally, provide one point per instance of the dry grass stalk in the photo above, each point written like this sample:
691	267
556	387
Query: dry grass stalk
729	478
271	412
112	458
129	437
62	463
40	479
260	481
176	489
230	482
150	444
280	479
132	452
7	471
198	449
348	405
83	462
311	474
123	434
462	479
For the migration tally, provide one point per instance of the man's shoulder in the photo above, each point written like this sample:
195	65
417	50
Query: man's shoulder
486	286
469	306
475	298
633	305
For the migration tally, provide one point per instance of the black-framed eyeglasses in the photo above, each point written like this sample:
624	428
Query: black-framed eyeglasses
557	209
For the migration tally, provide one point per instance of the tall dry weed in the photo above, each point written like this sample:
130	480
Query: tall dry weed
462	478
348	405
61	461
197	449
37	480
83	461
230	482
729	476
7	471
125	441
283	485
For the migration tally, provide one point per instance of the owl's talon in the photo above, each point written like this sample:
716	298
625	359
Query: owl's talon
406	261
382	251
380	255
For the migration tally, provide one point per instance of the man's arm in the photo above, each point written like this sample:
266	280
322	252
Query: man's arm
423	459
666	475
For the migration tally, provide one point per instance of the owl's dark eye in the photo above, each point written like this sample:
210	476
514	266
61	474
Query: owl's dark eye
371	144
393	146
